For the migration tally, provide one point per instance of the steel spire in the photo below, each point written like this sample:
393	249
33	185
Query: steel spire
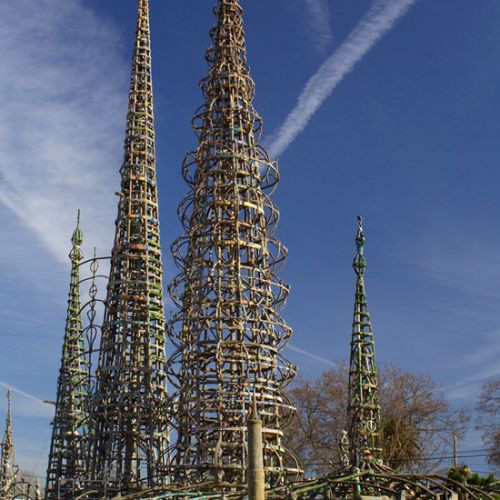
363	408
228	330
67	471
130	432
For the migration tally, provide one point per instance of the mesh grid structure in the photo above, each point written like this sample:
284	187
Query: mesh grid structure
129	421
228	331
67	471
363	408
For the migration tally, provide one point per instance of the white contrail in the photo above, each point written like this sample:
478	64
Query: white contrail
311	355
320	26
21	393
378	20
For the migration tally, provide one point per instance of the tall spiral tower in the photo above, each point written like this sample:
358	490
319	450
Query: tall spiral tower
228	330
129	422
67	471
363	412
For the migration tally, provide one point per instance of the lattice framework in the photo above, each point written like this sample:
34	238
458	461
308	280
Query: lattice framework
67	466
381	483
228	332
130	431
363	406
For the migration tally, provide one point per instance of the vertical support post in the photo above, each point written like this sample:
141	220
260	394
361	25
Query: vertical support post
455	451
255	473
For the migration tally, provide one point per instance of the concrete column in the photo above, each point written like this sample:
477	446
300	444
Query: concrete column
255	474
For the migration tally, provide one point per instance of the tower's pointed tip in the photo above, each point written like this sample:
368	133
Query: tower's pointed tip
76	240
78	213
9	405
77	237
360	236
359	263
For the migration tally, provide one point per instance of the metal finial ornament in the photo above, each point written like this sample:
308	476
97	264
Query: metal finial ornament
9	411
129	423
363	405
228	331
344	450
359	263
67	465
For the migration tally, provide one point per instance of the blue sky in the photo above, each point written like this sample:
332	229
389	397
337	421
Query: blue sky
408	138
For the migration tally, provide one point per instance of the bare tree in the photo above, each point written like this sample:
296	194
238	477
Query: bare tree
488	421
321	410
417	423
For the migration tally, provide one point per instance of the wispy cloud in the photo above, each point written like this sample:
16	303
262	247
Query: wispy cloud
320	23
63	87
463	270
379	19
484	360
20	392
448	255
487	352
31	441
311	355
28	405
468	388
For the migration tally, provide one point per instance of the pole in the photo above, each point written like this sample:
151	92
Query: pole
255	473
455	450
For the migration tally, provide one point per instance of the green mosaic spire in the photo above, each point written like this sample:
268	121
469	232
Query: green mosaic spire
363	408
67	459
